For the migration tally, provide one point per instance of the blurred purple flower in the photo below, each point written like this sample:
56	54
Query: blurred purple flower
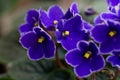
69	32
108	35
113	2
114	59
85	59
39	44
32	17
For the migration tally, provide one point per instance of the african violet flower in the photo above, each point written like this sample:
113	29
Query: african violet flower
69	32
71	11
113	2
50	19
114	59
39	44
31	21
85	59
55	14
108	35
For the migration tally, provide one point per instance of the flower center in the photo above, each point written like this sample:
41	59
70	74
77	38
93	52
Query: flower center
112	33
66	33
41	39
36	24
55	22
87	54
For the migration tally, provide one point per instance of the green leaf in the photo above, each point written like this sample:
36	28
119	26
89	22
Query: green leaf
41	70
10	49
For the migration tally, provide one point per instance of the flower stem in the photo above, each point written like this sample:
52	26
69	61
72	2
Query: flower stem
92	77
116	74
58	62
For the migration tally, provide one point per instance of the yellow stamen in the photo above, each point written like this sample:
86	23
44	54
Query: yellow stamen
112	33
66	33
87	54
55	22
41	39
36	24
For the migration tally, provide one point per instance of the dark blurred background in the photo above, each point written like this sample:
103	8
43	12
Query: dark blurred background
12	14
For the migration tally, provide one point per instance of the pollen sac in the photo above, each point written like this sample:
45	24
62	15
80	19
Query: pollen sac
87	54
55	22
66	33
35	24
41	39
112	33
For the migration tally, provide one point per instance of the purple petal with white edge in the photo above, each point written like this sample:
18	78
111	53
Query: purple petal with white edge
112	2
59	36
55	12
73	57
82	45
60	25
45	19
68	14
98	20
109	16
74	24
25	28
93	48
114	60
36	52
74	8
107	46
32	16
40	33
83	70
87	26
28	39
97	63
70	41
49	48
100	32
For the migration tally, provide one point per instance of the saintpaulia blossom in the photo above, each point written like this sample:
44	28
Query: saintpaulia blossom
114	59
31	21
71	11
49	19
113	2
39	44
108	35
55	14
69	32
85	59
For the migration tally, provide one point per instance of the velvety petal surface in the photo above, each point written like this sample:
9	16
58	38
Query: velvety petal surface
114	60
98	20
97	63
25	28
74	8
100	33
73	57
112	2
32	16
55	12
107	46
49	49
28	39
36	52
83	70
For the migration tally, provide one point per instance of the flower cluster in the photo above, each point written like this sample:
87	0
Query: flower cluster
85	44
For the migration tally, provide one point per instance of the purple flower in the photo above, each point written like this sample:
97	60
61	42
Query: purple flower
31	21
114	59
71	11
85	59
39	44
90	11
69	32
113	2
108	35
49	19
